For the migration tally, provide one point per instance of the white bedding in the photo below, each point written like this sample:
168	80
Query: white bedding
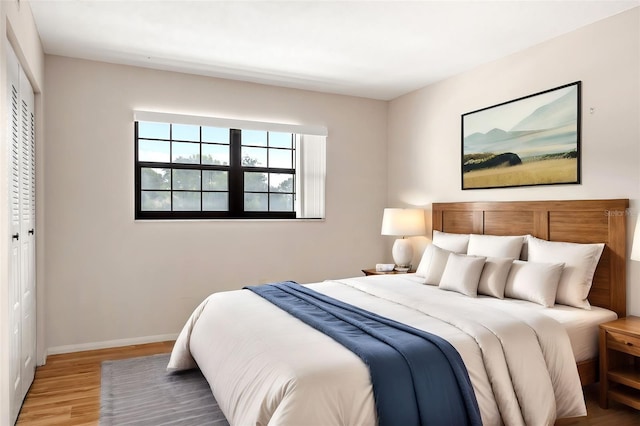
266	367
581	324
582	327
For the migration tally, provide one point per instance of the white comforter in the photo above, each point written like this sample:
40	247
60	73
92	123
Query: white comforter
266	367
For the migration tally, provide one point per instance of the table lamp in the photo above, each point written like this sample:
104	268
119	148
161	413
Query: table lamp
404	223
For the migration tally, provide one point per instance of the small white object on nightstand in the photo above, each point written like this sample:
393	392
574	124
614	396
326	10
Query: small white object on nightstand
384	267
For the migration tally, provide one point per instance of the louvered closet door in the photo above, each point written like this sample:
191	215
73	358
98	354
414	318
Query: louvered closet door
15	348
21	195
27	232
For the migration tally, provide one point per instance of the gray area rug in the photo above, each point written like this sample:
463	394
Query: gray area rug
138	391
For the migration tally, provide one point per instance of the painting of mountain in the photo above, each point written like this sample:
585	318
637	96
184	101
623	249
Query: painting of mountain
533	140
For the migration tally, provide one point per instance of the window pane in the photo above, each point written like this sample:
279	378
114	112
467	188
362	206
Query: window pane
153	151
280	182
215	201
184	132
185	152
186	180
254	137
156	201
186	169
184	201
255	181
155	178
280	158
215	154
255	202
254	157
280	140
215	134
281	202
214	180
150	130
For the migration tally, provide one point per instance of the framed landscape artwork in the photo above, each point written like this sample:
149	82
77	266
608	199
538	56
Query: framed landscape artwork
534	140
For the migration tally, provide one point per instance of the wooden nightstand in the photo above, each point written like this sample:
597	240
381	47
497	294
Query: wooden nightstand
372	271
620	362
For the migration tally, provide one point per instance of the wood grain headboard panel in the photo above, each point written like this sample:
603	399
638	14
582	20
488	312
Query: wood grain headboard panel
578	221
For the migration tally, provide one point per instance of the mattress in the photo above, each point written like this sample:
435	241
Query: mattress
582	327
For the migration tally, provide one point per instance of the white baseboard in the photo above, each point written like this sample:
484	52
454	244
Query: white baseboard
110	344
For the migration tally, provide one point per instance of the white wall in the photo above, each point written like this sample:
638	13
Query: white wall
111	278
424	126
17	27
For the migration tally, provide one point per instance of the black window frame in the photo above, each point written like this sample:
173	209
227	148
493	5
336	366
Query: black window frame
236	190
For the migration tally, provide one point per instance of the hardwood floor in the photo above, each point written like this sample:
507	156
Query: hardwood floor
66	391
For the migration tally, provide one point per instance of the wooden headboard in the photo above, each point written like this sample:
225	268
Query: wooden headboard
588	221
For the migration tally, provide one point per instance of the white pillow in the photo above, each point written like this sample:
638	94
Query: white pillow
494	276
432	264
462	274
495	246
580	261
456	243
535	282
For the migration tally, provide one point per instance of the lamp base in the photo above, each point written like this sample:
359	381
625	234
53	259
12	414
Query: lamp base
402	252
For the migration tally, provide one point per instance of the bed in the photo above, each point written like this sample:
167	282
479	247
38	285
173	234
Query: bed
578	221
266	367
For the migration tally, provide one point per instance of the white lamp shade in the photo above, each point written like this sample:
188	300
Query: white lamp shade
635	248
404	222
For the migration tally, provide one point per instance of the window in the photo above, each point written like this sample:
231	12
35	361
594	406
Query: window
205	171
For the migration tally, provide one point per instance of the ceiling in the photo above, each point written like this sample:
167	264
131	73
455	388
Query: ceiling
373	49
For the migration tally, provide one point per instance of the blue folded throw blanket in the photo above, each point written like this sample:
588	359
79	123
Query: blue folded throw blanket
418	378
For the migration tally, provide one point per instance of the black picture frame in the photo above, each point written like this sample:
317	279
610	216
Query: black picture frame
529	141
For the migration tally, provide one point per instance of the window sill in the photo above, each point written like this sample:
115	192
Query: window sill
227	220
